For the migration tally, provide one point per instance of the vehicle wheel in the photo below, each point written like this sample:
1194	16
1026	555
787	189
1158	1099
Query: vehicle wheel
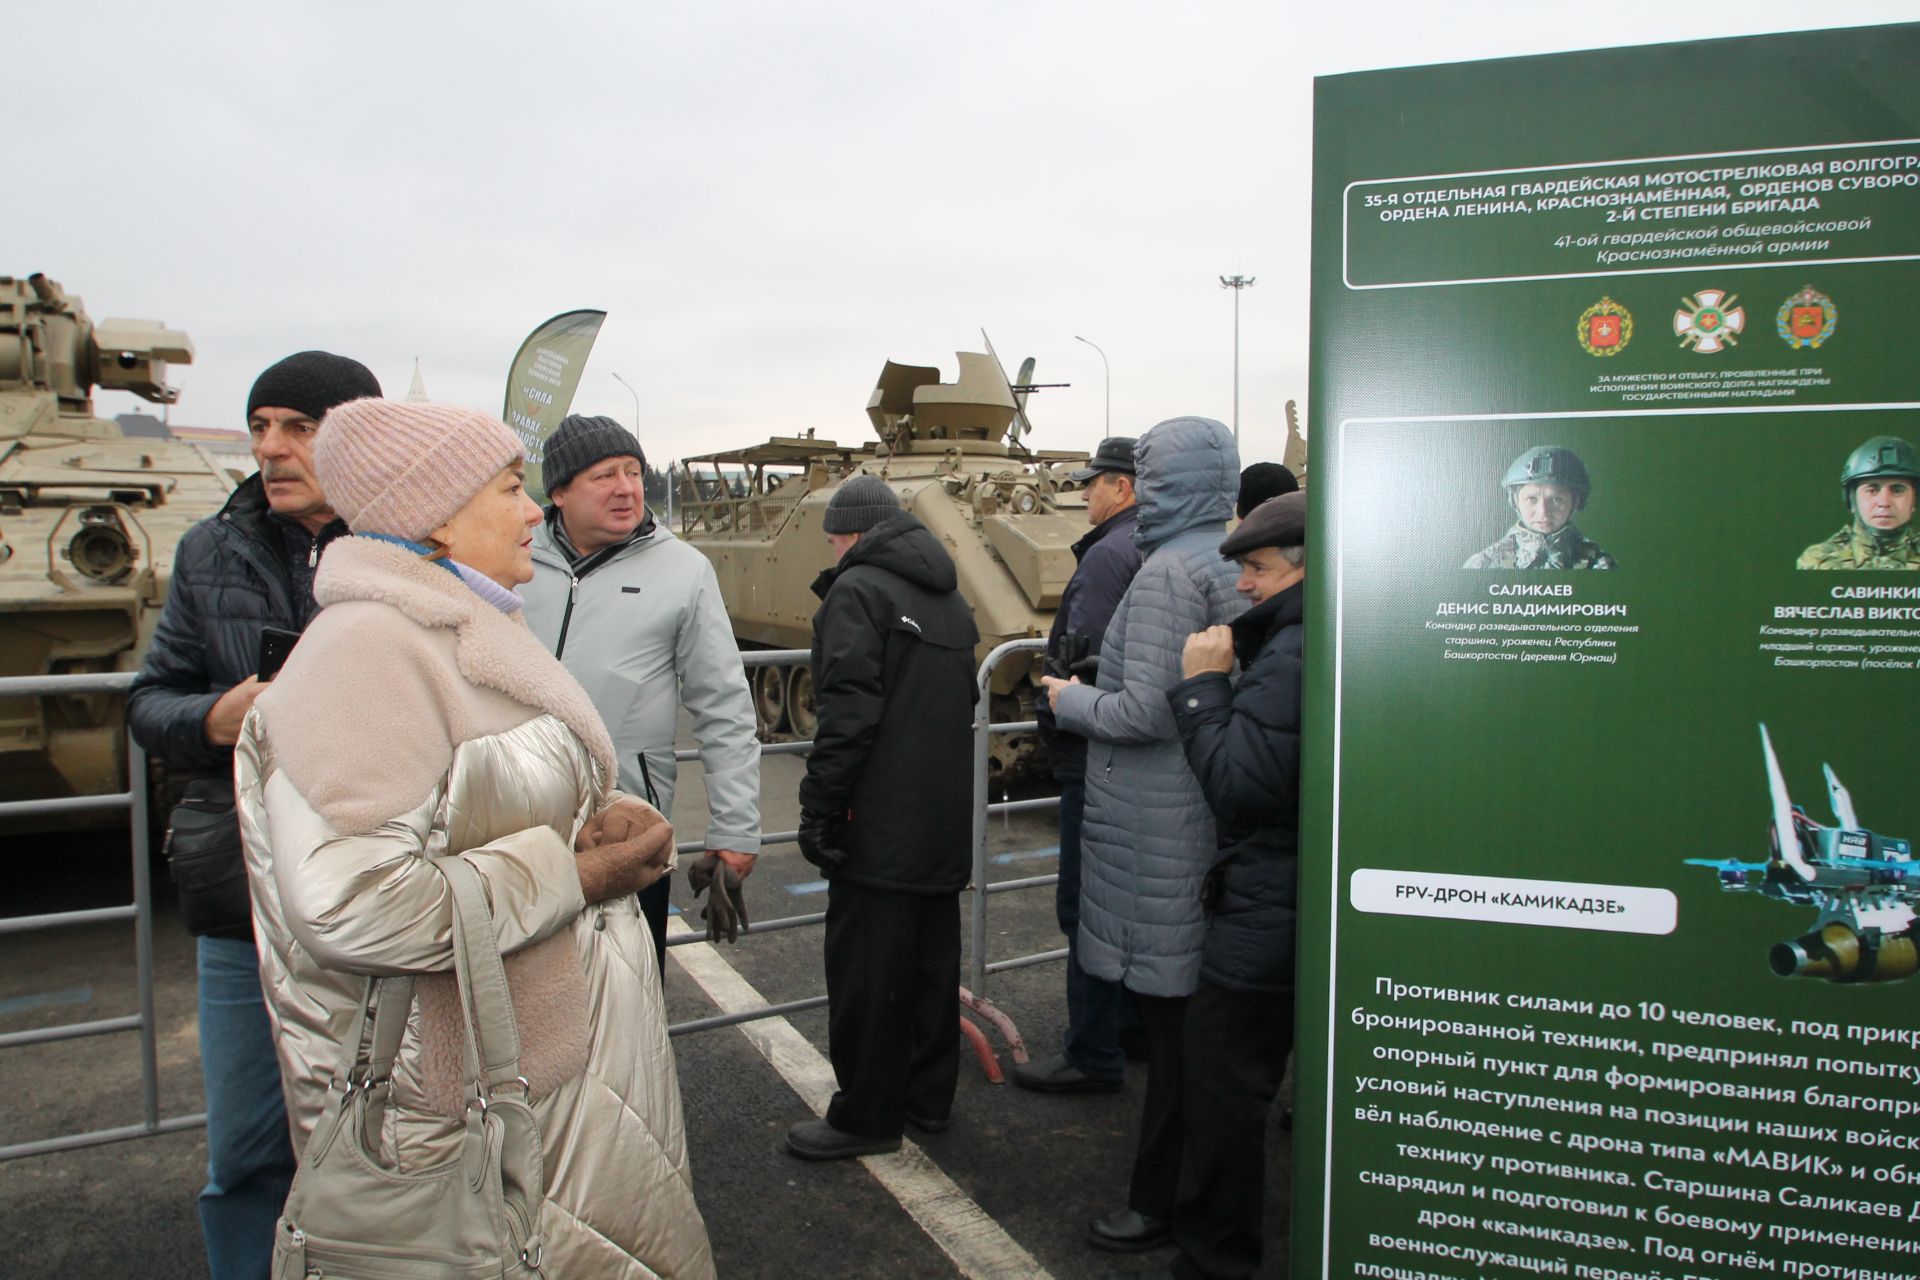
770	699
800	709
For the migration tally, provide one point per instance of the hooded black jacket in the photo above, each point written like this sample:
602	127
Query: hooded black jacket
894	682
1244	745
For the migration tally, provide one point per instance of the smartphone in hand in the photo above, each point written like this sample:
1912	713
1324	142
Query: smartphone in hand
275	644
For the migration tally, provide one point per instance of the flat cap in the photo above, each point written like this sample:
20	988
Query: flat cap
1277	522
1114	454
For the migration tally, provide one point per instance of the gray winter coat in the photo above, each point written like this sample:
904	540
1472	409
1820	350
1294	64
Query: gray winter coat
1148	837
644	632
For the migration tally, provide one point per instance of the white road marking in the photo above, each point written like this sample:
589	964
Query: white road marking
974	1241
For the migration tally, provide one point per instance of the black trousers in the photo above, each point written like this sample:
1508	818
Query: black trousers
1236	1055
1156	1162
893	1006
653	909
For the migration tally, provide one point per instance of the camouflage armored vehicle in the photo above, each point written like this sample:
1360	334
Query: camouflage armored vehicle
88	523
1008	514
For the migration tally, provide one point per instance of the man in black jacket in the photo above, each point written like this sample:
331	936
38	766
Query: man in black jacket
1091	1060
1243	742
236	573
893	679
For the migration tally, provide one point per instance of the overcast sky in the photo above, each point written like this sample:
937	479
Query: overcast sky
768	199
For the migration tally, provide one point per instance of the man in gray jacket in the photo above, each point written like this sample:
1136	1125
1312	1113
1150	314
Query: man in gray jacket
635	614
1148	838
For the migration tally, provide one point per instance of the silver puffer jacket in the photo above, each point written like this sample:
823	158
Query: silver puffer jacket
332	906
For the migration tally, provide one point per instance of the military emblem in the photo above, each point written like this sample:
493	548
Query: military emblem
1807	319
1605	328
1709	321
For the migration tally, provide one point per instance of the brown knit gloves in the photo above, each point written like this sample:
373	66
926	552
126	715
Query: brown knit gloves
622	849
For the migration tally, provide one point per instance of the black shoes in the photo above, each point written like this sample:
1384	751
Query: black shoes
930	1124
818	1140
1128	1231
1057	1075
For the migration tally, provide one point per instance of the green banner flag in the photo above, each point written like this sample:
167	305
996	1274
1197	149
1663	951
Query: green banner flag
1608	896
541	382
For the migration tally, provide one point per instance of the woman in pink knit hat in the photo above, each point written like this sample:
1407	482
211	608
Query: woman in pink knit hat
419	720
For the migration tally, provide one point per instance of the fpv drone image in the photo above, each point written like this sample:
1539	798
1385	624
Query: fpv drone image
1863	885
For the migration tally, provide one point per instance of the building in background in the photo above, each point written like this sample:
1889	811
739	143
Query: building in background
229	447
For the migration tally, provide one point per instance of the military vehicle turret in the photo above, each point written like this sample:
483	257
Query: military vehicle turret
1008	514
88	523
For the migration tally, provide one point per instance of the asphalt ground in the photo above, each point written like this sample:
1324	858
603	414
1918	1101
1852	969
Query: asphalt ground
1015	1179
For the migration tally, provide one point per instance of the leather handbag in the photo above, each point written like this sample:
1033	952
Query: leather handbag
209	866
353	1217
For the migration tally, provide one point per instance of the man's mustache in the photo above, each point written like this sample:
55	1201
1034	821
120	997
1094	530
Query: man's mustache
271	472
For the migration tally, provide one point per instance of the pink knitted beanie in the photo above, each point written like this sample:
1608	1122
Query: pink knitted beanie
402	469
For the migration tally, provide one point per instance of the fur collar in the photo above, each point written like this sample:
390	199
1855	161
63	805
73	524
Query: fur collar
380	666
496	651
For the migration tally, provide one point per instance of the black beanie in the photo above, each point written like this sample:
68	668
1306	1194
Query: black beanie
1261	481
858	505
312	382
579	442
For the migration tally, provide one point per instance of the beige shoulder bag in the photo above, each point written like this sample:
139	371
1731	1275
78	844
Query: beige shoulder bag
352	1217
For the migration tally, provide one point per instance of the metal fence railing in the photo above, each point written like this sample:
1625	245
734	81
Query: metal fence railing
140	911
134	802
973	995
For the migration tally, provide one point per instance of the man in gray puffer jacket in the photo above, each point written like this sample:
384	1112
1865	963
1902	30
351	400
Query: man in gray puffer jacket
1148	837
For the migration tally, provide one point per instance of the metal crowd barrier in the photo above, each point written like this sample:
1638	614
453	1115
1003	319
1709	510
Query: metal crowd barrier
973	995
140	911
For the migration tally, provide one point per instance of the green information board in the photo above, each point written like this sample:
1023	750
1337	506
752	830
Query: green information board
1608	892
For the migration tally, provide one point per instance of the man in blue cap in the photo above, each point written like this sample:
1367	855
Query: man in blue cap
1091	1060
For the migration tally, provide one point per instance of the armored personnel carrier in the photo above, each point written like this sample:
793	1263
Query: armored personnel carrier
88	523
1008	514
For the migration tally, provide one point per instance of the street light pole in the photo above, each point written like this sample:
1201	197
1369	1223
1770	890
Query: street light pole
1236	283
1109	372
636	432
636	401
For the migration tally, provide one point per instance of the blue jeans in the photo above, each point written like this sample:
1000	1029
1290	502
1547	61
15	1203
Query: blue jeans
1094	1005
249	1152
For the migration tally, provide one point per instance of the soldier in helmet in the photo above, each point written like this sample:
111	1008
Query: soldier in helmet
1545	486
1878	482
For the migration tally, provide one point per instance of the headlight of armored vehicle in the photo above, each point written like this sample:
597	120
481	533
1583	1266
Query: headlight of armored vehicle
101	549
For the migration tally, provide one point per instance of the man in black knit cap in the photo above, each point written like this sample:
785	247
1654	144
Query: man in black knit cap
236	573
893	679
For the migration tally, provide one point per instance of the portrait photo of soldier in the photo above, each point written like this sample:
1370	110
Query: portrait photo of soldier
1546	487
1878	482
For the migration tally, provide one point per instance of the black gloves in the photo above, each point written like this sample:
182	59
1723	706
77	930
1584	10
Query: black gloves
817	842
726	909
